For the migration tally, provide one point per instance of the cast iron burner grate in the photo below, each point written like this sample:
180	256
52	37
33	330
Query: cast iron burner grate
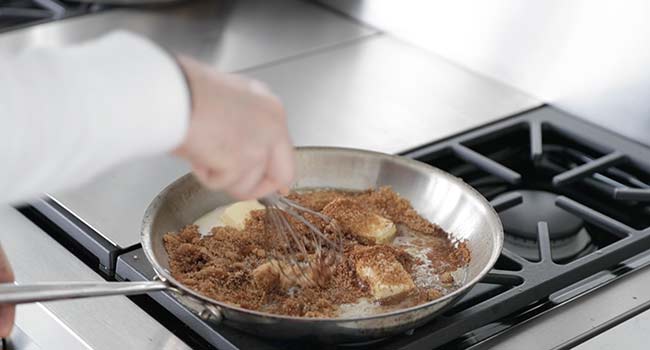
598	184
574	199
19	13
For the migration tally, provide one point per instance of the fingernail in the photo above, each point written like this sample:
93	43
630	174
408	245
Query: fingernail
259	88
284	190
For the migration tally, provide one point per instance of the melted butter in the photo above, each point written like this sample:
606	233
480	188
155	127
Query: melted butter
362	307
418	245
209	220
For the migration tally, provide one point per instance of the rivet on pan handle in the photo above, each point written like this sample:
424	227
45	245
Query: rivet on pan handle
170	287
211	313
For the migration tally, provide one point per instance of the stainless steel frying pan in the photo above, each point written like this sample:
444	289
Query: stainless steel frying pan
438	196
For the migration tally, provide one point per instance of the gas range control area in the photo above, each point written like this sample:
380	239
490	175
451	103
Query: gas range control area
574	201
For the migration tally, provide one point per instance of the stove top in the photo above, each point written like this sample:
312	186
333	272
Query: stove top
19	13
574	201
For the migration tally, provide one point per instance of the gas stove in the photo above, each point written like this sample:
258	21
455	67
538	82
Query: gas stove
573	198
20	13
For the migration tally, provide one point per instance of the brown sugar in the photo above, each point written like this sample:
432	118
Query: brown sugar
353	219
232	266
389	204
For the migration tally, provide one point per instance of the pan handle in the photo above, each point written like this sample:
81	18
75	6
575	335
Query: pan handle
29	293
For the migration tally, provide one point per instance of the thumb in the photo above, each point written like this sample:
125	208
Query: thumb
7	312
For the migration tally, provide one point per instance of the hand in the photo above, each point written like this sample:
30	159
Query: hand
7	312
237	138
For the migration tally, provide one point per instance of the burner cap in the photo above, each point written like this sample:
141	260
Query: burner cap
521	220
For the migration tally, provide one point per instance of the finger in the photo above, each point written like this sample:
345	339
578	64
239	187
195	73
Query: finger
263	188
202	172
6	274
268	185
259	88
243	188
213	179
281	167
7	316
7	312
284	190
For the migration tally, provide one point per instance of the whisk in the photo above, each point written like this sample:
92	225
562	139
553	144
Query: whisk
306	259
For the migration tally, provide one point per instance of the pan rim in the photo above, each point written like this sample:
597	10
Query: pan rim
497	235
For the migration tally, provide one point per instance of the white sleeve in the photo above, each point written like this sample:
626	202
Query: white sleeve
67	114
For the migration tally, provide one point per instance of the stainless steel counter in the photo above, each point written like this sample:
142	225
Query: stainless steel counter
101	323
382	94
633	334
230	35
557	51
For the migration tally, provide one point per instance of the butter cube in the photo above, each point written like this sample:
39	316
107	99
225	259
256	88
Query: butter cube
368	227
236	214
389	282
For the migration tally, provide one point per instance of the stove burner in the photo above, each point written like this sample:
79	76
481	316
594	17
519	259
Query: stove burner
19	13
569	237
521	220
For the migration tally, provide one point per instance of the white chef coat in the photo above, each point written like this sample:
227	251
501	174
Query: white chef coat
67	114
